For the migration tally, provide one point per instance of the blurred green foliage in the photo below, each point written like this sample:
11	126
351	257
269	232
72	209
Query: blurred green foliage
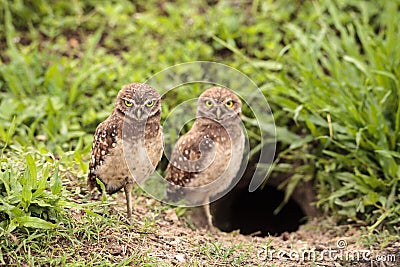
329	69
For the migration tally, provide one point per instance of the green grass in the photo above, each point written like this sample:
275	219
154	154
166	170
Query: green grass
345	98
329	69
82	240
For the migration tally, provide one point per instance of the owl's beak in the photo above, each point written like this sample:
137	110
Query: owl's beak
139	114
219	113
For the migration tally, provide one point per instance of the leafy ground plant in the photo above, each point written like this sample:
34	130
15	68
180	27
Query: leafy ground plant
31	198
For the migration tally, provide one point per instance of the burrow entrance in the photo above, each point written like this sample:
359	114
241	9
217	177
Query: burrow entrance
253	213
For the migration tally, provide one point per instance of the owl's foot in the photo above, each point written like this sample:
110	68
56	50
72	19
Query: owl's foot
213	230
95	195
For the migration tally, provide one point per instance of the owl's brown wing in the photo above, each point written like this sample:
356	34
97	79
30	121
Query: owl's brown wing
190	156
105	138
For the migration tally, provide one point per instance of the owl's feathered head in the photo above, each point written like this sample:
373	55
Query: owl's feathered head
138	101
219	104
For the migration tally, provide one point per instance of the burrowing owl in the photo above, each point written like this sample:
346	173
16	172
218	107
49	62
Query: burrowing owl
128	144
212	151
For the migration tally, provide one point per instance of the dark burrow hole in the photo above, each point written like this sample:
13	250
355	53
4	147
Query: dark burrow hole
253	213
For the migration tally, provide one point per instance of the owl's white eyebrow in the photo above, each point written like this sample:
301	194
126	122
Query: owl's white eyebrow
130	100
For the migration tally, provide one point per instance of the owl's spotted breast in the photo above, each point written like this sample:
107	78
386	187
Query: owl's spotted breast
118	160
205	155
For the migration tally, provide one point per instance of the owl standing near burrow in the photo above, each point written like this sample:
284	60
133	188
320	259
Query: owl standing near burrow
208	157
128	145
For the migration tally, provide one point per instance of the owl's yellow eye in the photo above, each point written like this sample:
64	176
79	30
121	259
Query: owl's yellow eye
229	103
209	103
149	103
128	103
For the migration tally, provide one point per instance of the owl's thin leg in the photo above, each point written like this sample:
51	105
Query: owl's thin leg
206	208
128	194
208	215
